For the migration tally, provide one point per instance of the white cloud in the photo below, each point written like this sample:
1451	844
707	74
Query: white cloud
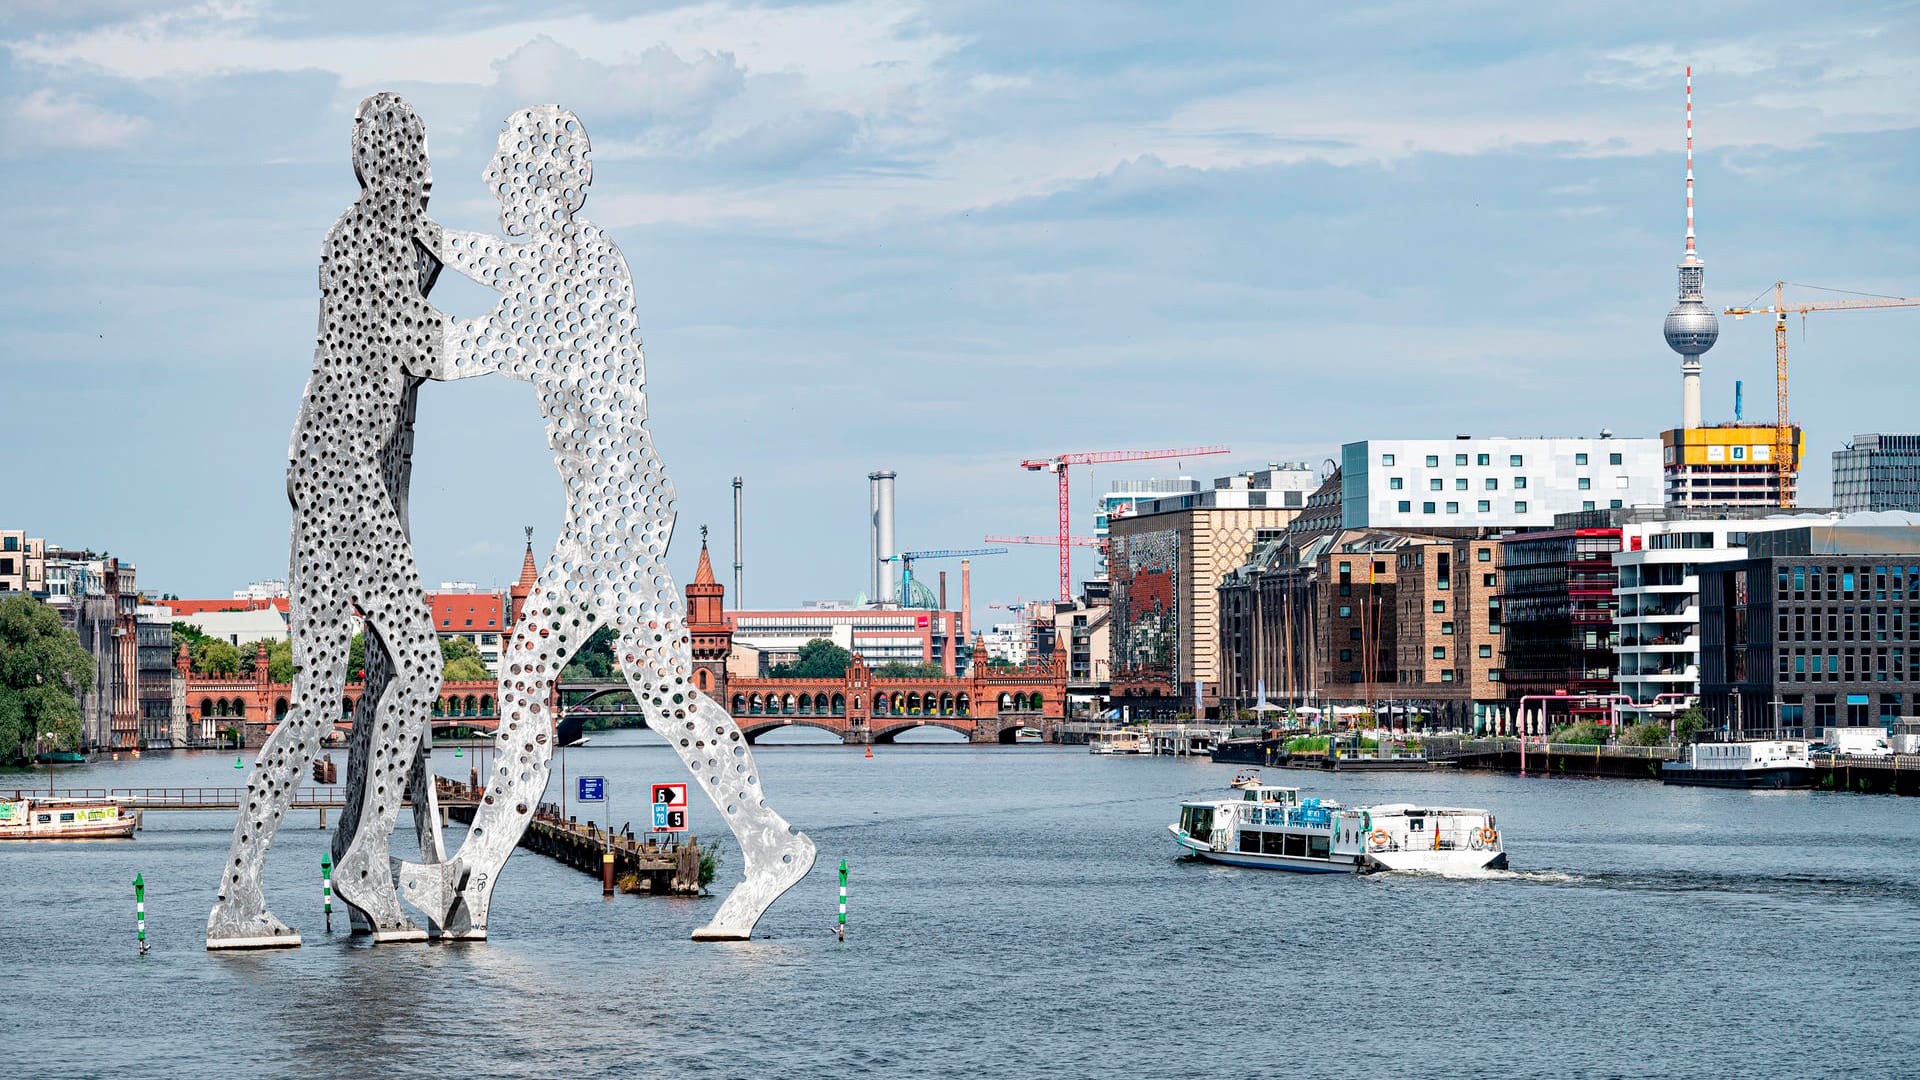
44	120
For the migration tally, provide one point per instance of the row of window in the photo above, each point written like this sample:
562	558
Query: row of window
1514	460
1485	506
1805	582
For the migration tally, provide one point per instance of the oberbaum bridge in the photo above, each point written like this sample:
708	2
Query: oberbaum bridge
988	705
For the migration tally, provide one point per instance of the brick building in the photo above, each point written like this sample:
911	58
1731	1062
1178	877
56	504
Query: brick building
1450	650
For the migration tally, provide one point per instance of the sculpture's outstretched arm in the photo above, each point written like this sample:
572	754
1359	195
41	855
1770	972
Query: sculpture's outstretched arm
468	347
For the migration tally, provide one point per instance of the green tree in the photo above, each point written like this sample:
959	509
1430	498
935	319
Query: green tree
1688	724
465	669
357	656
1652	733
899	670
279	658
818	659
1585	732
459	648
594	660
215	657
189	635
42	666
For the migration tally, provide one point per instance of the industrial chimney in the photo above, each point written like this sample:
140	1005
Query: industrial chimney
882	535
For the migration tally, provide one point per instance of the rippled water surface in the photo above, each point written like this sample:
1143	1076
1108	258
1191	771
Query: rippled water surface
1017	911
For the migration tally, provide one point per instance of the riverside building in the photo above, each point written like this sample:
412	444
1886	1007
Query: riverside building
1818	627
1877	472
1467	484
1166	561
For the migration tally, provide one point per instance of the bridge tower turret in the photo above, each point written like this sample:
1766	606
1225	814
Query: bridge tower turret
707	625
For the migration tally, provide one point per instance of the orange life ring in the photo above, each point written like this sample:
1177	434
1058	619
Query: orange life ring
1489	837
1379	838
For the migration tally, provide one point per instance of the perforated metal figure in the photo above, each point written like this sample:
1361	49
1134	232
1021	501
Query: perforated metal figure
567	323
350	557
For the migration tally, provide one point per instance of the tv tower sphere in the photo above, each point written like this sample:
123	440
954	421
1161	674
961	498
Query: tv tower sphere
1691	327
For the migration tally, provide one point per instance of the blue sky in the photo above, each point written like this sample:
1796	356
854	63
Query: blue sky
939	238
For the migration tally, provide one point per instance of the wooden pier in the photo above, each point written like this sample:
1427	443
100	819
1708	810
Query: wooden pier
643	866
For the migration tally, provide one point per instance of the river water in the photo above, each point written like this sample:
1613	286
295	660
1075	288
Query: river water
1016	912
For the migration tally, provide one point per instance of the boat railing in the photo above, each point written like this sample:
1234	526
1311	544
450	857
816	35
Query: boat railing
1301	817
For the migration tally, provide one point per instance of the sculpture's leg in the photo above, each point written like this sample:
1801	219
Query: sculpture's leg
773	855
462	888
240	920
363	877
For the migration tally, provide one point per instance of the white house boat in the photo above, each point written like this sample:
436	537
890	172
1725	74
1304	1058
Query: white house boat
1119	742
1777	763
1273	827
65	819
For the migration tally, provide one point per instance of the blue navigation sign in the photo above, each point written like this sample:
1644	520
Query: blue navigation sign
591	789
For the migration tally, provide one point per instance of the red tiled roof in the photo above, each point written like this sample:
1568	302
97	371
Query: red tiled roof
457	612
201	607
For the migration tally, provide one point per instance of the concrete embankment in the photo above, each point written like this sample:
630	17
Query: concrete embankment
1898	775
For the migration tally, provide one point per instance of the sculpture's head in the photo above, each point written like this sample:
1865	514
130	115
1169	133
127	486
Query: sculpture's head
390	146
541	171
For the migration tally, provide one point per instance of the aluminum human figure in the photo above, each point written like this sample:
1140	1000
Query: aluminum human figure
567	323
378	337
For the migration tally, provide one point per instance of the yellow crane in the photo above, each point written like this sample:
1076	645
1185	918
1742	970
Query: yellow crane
1783	448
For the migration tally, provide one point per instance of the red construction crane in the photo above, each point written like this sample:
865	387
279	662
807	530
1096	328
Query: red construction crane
1058	464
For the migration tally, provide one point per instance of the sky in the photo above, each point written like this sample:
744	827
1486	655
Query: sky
941	238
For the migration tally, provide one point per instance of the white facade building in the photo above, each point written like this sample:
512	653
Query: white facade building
239	627
1499	483
1659	604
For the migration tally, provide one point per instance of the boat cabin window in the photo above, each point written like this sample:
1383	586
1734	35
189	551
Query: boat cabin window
66	817
1417	824
1317	847
44	818
1250	840
1197	822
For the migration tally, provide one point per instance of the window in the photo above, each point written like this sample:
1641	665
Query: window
1520	507
1406	506
1439	606
1486	652
1486	506
1613	504
1586	484
1346	655
1483	555
1453	508
1579	459
1460	483
1613	459
1386	460
1346	611
1433	461
1514	460
1459	459
1493	483
1394	484
1487	580
1434	484
1588	505
1519	482
1484	459
1446	675
1426	508
1439	652
1446	629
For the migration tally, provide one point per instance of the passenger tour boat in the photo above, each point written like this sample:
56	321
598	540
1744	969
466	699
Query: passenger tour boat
1273	827
1119	742
65	819
1778	763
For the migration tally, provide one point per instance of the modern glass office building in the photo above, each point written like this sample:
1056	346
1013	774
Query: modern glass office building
1877	472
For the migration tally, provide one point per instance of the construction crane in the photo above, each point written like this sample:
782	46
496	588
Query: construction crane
1783	448
906	560
1075	541
1059	463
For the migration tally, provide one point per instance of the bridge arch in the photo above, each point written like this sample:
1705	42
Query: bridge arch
279	709
890	732
752	730
739	704
839	705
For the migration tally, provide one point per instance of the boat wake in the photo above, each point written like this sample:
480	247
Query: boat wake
1533	877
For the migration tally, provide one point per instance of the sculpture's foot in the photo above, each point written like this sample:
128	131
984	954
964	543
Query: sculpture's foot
432	889
367	887
765	882
256	930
